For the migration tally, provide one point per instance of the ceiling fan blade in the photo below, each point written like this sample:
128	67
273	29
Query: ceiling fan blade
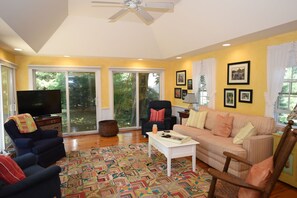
106	2
159	5
117	15
144	15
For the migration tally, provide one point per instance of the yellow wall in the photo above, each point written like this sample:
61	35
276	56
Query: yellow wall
256	52
104	63
6	56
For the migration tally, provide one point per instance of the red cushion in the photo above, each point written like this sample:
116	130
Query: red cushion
258	175
157	116
10	172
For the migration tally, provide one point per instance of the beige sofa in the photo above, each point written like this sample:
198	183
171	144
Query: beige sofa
211	147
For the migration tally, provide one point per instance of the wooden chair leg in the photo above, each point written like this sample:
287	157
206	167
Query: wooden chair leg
212	188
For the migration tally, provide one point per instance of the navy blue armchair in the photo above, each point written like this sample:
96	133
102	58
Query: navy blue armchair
169	119
39	181
44	144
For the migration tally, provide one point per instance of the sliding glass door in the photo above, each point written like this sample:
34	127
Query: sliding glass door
132	91
78	90
8	100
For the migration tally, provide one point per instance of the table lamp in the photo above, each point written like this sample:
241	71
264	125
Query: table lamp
293	114
190	99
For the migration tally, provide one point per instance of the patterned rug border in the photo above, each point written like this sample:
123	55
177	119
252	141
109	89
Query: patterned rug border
127	171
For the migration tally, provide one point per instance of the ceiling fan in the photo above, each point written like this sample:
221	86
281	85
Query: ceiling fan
137	6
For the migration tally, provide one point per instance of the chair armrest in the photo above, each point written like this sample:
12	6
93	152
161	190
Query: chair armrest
49	134
23	142
237	158
237	181
26	160
258	147
31	181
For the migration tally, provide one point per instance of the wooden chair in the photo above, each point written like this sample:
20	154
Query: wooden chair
226	185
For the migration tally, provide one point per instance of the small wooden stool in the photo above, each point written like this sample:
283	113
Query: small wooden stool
108	128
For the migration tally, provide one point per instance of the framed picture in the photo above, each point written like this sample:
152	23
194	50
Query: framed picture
245	95
238	73
181	78
230	98
177	93
190	84
184	93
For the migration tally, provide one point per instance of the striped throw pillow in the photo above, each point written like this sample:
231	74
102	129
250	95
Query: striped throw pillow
10	172
157	116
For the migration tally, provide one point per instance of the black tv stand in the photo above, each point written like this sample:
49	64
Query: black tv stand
51	122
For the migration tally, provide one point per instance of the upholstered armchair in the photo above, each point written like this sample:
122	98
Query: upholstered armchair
169	120
44	144
39	181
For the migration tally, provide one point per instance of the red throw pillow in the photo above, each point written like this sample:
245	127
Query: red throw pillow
223	126
157	116
258	175
10	172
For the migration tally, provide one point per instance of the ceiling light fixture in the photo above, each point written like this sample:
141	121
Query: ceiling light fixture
226	45
66	56
178	57
18	49
140	59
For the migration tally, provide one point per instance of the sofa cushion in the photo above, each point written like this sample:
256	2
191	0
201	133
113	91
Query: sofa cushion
218	144
211	116
223	126
263	125
193	132
245	132
197	119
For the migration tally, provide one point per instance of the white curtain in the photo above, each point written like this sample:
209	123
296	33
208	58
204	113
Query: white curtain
206	67
278	58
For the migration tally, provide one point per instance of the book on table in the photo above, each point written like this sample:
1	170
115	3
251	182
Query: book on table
175	137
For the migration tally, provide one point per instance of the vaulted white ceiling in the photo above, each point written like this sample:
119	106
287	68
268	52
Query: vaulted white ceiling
76	28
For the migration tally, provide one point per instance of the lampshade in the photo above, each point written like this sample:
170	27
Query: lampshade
293	114
191	99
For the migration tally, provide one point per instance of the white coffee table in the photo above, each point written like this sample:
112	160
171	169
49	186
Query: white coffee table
172	150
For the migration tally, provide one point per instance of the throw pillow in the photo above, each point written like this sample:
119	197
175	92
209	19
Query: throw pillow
247	131
10	172
223	126
196	119
157	116
258	175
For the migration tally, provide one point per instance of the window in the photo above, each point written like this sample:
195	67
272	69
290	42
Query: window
203	98
287	98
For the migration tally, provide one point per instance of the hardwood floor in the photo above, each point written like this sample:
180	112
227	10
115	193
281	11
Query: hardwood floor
73	143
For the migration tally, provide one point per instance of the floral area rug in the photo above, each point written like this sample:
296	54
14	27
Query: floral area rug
127	171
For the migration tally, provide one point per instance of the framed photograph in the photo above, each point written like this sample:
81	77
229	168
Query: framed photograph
184	93
245	95
177	93
181	78
190	84
238	73
230	98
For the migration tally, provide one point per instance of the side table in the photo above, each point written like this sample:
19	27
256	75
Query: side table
289	173
183	114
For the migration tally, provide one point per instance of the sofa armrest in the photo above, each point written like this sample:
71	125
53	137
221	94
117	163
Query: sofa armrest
258	147
23	142
26	160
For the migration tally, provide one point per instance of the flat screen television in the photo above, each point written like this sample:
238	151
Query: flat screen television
39	102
